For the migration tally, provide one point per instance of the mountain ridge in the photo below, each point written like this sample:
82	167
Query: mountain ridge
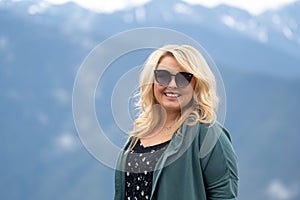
40	148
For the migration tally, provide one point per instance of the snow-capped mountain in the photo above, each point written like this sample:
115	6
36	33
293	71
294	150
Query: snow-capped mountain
273	32
42	47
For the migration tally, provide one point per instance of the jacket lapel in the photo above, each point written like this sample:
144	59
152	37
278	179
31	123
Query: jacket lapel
180	141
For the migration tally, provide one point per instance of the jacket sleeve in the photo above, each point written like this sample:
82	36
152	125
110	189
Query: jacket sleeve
219	164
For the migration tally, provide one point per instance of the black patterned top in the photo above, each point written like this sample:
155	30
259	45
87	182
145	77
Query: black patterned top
140	164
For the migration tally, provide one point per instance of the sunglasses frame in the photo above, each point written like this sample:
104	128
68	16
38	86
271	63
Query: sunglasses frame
179	74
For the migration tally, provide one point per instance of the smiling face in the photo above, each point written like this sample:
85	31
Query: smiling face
172	98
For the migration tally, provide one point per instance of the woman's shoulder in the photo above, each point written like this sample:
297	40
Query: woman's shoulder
215	129
213	136
130	140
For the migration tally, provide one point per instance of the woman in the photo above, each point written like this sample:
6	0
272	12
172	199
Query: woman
177	150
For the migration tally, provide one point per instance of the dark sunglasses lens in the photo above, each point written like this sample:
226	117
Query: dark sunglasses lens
163	77
183	79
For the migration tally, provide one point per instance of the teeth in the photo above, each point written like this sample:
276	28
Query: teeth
172	95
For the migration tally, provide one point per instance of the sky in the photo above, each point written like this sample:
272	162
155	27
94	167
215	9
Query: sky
254	7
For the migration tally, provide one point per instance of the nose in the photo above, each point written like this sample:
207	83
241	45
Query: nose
172	83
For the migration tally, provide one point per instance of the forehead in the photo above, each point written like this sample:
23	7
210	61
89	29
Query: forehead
170	63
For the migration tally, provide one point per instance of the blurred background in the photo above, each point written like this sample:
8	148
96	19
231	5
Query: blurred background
43	43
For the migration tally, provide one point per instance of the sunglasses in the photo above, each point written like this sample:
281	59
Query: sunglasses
164	77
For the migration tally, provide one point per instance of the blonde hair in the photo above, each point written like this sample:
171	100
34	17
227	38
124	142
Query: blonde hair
205	100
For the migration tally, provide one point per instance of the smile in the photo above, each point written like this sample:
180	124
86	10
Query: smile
170	94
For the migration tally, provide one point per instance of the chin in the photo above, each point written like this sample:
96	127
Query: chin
173	108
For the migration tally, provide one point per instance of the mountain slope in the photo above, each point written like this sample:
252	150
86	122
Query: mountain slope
41	154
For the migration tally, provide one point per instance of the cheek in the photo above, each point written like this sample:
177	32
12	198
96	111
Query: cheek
157	89
188	95
191	89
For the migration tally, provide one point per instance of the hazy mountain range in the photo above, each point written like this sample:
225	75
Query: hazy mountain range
42	47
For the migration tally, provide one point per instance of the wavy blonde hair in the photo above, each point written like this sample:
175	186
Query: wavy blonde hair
205	101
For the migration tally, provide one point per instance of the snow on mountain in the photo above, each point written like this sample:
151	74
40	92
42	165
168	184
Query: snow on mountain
41	48
283	21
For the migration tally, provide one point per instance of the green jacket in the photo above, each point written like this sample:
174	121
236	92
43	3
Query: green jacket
198	164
